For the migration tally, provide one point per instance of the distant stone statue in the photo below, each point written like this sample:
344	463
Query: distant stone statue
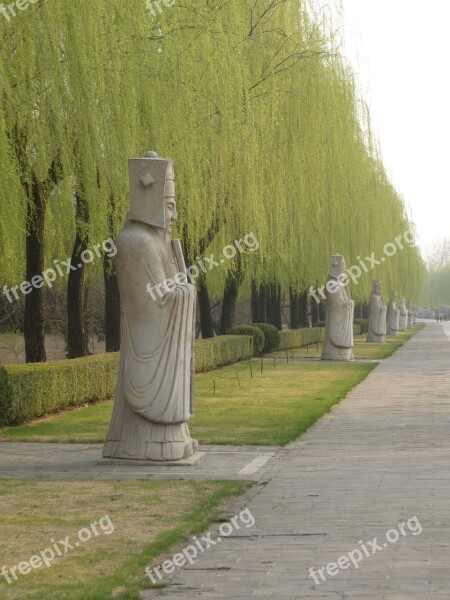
377	315
340	310
403	320
411	315
154	399
393	315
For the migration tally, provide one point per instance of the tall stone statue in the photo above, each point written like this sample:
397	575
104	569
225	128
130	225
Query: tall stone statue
154	399
403	320
411	315
393	315
377	315
340	310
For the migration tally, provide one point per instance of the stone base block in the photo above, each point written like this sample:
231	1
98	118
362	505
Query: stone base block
192	461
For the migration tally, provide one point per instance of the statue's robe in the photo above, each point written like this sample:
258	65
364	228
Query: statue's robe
393	318
403	318
411	315
154	397
340	310
377	319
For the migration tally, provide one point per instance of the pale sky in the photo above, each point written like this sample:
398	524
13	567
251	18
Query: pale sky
400	50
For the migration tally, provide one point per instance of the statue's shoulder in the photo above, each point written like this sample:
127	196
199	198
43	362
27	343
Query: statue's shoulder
137	237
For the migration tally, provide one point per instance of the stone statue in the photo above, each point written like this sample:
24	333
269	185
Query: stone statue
154	397
393	315
411	315
403	320
377	315
340	309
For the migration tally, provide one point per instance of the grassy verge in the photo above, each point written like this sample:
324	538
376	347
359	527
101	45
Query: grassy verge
147	519
234	405
362	349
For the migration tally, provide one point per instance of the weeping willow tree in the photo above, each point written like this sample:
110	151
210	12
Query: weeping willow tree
260	114
436	288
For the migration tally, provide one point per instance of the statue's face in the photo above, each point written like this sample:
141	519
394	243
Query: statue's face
171	213
378	289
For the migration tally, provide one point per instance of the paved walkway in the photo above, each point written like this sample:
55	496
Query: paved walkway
84	461
378	459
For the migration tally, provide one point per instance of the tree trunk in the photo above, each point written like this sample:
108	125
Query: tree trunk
314	312
229	304
304	310
206	322
263	303
295	310
37	193
274	306
34	302
255	304
322	312
230	294
77	339
112	293
112	305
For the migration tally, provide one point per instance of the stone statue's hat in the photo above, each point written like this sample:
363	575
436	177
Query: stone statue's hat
337	265
151	181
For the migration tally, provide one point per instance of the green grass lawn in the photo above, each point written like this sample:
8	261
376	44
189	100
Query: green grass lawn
147	519
233	405
237	404
362	349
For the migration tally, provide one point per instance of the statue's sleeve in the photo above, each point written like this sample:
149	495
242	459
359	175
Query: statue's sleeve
340	318
158	338
378	312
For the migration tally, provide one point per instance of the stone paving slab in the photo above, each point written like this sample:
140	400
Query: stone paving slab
83	461
381	457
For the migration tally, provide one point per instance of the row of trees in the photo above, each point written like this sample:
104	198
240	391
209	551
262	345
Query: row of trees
436	288
255	104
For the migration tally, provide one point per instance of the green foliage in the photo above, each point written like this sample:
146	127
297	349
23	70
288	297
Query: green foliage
256	333
30	391
299	338
272	337
268	407
222	350
231	71
364	326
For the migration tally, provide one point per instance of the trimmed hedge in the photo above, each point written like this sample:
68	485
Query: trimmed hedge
221	351
272	337
30	391
298	338
255	332
364	324
319	324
